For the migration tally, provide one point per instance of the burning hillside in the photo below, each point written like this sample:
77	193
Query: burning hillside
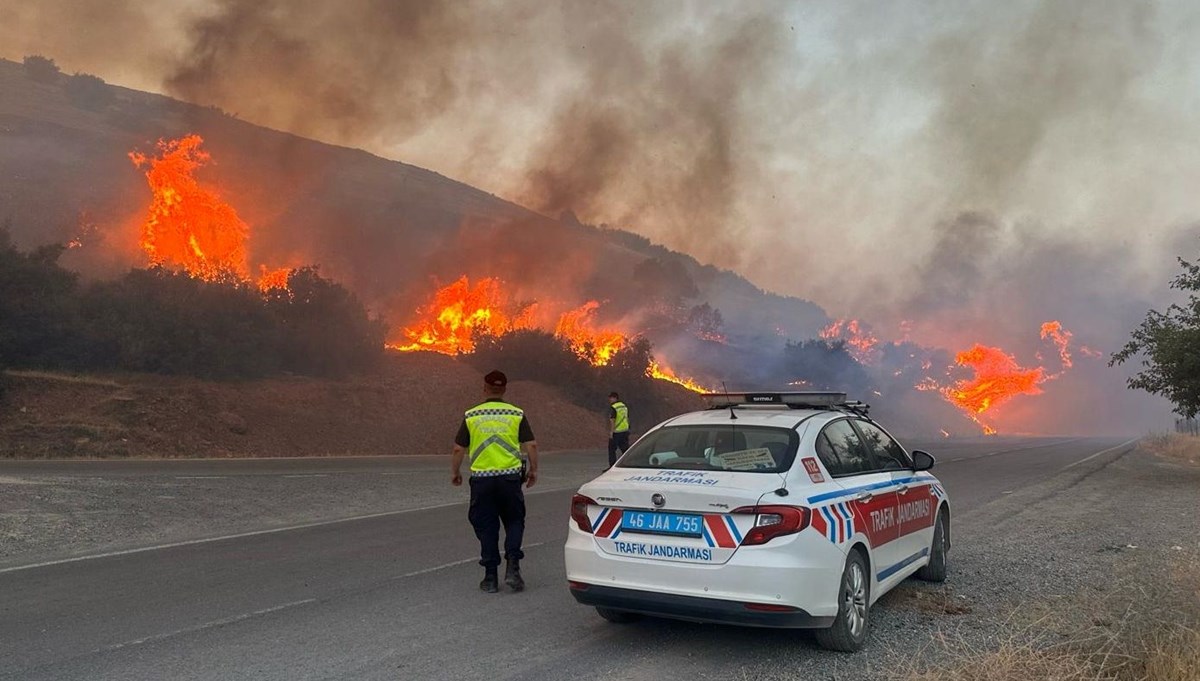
460	313
189	226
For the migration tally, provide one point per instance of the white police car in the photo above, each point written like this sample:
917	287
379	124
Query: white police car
768	509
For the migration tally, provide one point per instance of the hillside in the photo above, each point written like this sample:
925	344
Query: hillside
387	230
413	405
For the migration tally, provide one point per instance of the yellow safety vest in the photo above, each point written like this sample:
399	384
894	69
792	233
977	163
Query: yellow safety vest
621	422
495	430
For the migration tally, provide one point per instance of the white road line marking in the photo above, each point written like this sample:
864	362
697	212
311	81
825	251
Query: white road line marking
306	475
456	563
201	477
254	533
1013	450
201	627
1092	456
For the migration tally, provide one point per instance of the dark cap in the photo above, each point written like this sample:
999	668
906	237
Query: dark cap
496	379
613	394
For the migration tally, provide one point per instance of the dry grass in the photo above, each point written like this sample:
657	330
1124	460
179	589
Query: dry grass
1146	629
1174	448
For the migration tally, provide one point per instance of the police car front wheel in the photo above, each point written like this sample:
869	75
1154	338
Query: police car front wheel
618	616
849	630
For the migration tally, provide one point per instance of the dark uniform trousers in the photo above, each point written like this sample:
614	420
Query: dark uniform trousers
496	500
617	442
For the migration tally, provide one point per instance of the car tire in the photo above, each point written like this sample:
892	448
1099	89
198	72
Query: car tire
935	569
849	630
618	616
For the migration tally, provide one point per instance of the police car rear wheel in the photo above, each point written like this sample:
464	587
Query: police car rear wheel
849	630
618	616
935	570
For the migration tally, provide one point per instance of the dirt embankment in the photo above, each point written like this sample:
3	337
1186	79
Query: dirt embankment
411	405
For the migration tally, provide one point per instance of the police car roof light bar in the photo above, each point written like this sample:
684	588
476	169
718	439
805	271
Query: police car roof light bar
794	400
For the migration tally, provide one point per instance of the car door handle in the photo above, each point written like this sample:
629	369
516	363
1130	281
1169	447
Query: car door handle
864	496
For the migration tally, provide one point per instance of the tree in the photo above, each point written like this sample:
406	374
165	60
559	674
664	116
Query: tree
824	365
40	69
1169	344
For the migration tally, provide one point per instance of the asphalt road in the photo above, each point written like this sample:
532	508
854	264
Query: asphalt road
392	596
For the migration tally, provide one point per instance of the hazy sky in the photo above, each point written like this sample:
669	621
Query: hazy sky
867	155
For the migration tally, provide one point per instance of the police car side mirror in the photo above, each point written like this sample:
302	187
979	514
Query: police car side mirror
922	461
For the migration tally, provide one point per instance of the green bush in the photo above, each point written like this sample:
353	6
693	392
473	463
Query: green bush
162	321
38	307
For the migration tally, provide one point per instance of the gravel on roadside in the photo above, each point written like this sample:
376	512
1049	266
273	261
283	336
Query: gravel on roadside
1043	545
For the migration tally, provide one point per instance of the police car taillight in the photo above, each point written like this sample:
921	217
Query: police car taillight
579	508
774	521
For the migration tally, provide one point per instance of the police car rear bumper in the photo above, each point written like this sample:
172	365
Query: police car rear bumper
697	609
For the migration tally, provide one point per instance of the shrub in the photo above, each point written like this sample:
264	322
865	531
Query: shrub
41	69
88	92
161	321
37	305
326	330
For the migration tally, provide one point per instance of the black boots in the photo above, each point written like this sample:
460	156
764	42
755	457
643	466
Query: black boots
512	575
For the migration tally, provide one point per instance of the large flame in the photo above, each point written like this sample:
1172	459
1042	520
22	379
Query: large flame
457	313
597	346
862	344
188	224
998	377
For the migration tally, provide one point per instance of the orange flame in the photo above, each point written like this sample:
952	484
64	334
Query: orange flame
1062	340
450	323
188	224
597	346
665	373
998	377
861	343
273	279
456	313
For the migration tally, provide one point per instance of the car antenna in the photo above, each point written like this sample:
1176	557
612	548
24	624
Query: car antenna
732	413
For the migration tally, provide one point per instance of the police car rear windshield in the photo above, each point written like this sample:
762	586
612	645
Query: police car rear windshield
746	449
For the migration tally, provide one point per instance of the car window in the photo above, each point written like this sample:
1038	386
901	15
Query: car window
750	449
842	451
888	453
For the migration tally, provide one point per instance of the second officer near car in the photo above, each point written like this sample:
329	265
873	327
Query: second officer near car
495	433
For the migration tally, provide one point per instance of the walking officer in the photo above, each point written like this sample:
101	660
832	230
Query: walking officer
618	424
495	433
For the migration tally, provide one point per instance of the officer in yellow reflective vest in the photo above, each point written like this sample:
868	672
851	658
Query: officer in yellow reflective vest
495	433
618	426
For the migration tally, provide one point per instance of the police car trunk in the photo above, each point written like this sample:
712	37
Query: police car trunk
676	511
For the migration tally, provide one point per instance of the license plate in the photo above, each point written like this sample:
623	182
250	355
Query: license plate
675	524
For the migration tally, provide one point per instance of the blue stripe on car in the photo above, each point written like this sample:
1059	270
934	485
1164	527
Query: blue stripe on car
863	488
889	571
737	536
